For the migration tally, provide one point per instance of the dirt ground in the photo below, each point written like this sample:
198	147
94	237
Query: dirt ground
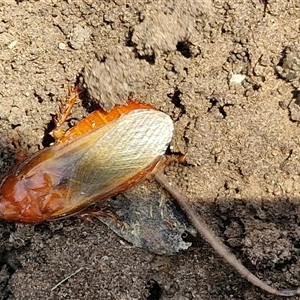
227	72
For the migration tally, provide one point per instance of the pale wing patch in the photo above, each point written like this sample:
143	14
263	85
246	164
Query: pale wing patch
129	146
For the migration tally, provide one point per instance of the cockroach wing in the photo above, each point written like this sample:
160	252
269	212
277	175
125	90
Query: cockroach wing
113	154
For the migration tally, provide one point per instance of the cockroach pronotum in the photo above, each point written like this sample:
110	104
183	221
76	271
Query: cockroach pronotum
101	156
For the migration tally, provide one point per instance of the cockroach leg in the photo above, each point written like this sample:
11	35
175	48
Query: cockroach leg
179	158
20	154
165	160
88	214
215	241
64	112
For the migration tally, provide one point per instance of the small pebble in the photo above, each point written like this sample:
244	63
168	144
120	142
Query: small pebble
62	46
13	44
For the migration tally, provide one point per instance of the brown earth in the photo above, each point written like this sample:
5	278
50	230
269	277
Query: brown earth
227	72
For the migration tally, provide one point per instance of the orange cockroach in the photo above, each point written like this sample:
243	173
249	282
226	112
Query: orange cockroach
99	157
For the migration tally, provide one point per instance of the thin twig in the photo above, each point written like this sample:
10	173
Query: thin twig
215	241
68	277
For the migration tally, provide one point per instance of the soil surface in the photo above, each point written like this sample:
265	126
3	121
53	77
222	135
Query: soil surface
227	72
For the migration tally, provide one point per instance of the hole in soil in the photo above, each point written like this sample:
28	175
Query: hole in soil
155	290
184	49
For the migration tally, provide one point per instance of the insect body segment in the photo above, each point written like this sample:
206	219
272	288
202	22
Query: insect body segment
102	155
100	117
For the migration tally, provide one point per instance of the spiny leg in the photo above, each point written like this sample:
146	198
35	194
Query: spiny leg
101	213
20	153
64	112
164	161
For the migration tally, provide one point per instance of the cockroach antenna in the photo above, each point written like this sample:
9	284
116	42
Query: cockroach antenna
215	241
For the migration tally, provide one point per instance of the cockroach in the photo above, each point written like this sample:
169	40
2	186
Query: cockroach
104	154
99	157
